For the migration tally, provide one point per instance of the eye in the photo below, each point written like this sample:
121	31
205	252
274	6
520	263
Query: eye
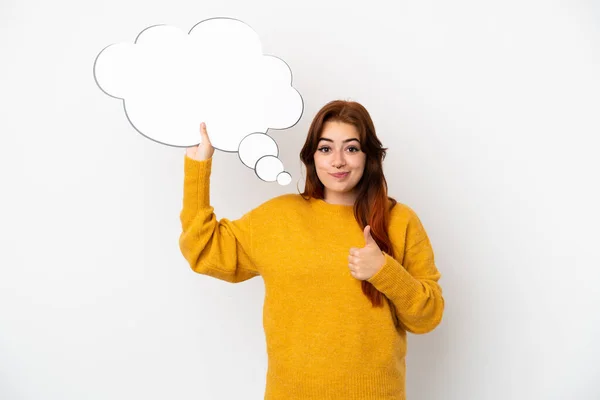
353	149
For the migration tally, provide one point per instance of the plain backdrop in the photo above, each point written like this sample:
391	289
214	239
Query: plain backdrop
490	111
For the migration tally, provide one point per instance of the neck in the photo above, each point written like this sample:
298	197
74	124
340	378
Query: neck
345	199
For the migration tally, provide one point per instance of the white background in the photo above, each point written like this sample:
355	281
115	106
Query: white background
490	113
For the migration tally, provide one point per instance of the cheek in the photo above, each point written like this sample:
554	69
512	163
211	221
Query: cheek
359	166
320	164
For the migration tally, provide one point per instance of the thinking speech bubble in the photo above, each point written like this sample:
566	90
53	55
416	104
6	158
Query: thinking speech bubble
171	81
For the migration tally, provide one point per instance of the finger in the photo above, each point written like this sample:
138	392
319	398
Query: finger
368	237
203	129
204	133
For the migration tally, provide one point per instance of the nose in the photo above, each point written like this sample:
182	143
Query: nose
338	159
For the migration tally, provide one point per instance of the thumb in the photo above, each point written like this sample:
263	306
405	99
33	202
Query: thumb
368	238
203	133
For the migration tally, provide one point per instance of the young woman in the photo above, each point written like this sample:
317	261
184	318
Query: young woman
347	269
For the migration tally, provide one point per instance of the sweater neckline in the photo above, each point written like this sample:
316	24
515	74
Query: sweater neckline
335	209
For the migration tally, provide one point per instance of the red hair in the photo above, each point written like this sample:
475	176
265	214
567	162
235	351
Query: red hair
372	206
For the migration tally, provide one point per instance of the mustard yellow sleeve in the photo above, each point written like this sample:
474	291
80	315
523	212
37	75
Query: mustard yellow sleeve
413	286
221	249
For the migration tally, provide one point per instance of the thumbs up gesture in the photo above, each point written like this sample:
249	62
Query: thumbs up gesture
367	261
204	150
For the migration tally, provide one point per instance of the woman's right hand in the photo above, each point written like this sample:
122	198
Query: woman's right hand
204	150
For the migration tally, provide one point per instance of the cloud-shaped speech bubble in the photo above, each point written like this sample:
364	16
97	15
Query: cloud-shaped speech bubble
171	81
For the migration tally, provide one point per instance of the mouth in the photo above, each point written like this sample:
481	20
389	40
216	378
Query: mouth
340	175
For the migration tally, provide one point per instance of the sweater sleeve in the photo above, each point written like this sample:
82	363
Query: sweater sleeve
218	248
413	287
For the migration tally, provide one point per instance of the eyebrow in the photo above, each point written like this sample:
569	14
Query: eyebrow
345	141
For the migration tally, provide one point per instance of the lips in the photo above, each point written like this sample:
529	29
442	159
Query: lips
340	175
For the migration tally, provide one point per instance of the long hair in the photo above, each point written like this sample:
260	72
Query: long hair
372	206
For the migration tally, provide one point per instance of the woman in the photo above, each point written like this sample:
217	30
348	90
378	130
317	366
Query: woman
347	269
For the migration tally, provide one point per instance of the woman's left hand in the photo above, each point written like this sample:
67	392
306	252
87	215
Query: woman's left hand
367	261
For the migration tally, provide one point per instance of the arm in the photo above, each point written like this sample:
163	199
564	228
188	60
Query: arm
221	249
412	287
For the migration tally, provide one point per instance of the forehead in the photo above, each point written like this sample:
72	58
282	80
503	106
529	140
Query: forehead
339	131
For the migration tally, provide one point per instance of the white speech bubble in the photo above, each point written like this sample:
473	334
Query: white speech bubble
268	168
255	146
259	151
170	82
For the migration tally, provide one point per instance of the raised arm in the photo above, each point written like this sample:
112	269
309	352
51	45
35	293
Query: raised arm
218	248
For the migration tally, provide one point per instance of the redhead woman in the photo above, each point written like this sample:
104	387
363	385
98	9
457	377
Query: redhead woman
348	270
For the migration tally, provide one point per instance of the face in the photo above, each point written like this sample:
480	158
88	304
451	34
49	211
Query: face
339	150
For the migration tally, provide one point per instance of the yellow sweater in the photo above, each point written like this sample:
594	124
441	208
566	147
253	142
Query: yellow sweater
324	339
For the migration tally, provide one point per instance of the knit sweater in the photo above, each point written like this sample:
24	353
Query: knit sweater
324	339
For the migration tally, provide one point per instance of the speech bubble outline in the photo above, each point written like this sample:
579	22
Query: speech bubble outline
167	48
